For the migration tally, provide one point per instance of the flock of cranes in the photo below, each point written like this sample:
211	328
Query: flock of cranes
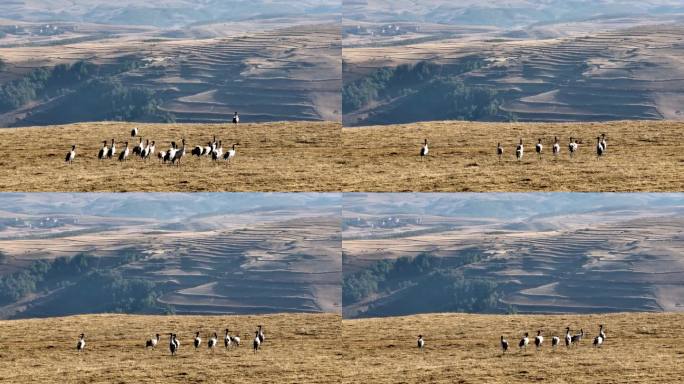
229	341
569	339
173	155
573	147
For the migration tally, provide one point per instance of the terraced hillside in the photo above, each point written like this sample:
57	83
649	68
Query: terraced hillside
246	263
461	347
617	74
282	73
115	349
283	156
603	261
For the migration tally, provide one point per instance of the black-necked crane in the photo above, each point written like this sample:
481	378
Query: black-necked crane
236	118
152	343
424	149
198	340
179	154
206	151
134	132
539	339
123	156
173	344
599	148
539	148
572	146
102	154
145	152
421	342
556	147
137	150
80	345
519	151
231	153
524	341
598	340
604	143
227	340
568	338
261	334
555	341
499	151
150	150
213	145
257	342
162	156
197	151
112	150
170	153
213	341
218	151
504	344
601	332
236	339
578	337
71	155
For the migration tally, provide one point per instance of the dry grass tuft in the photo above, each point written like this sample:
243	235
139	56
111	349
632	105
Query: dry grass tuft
286	156
465	349
641	156
44	350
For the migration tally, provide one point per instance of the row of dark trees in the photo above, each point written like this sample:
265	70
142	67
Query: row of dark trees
428	284
86	282
93	92
433	90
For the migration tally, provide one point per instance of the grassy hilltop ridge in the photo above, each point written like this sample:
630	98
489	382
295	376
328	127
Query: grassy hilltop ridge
639	348
297	348
280	156
641	156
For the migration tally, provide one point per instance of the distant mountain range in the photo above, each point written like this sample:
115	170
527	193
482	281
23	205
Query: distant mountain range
509	14
162	206
504	206
166	13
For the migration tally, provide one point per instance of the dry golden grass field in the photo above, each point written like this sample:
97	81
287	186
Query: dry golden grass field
297	348
641	156
639	348
285	156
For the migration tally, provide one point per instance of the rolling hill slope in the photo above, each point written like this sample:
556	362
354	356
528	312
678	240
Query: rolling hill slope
281	71
269	261
623	73
612	260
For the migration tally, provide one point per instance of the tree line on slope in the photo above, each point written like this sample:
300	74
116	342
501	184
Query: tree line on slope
428	284
428	91
87	282
96	90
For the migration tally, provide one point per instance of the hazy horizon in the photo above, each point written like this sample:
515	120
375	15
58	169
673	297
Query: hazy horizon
163	205
166	13
506	205
504	14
